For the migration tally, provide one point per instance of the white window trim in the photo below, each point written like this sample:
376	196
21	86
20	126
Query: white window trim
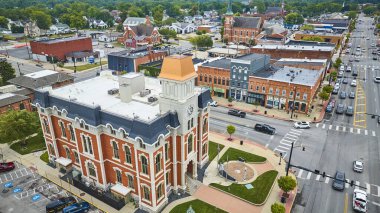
208	126
43	118
143	192
71	138
84	143
147	159
65	147
113	153
62	124
125	162
133	177
75	151
161	164
88	170
121	175
187	146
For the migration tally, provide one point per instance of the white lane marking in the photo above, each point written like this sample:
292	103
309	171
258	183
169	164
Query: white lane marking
357	183
317	125
323	126
366	132
347	183
376	204
344	129
337	128
358	131
330	127
308	176
373	134
300	173
318	177
327	180
352	130
368	186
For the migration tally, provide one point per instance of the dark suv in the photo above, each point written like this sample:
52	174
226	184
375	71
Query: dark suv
59	204
265	129
236	113
339	181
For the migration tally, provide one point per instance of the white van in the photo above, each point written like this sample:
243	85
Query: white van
341	68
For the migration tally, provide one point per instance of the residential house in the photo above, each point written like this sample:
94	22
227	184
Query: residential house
188	19
98	24
60	28
140	35
32	30
134	21
183	27
109	37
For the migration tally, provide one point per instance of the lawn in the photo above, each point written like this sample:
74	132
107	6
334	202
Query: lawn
261	188
87	66
213	150
198	206
34	144
45	157
234	154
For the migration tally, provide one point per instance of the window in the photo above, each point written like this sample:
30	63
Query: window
128	156
192	122
76	156
125	135
245	78
277	92
118	176
115	150
159	191
214	80
239	70
257	88
205	126
188	124
205	78
304	96
141	143
112	131
190	143
51	149
223	81
200	78
210	78
291	94
22	106
234	76
68	155
219	80
228	82
263	88
167	178
91	169
297	94
72	134
144	165
63	129
158	163
204	148
46	126
87	144
270	90
166	151
130	182
283	92
146	193
238	84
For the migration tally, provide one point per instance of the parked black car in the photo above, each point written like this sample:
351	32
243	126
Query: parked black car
339	181
265	129
59	204
237	113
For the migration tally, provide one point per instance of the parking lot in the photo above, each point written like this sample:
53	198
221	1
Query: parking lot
23	190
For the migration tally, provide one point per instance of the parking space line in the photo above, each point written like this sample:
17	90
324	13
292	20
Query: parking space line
357	183
358	131
318	177
368	186
344	129
373	134
323	126
308	176
317	125
300	173
327	180
365	132
337	128
351	130
330	127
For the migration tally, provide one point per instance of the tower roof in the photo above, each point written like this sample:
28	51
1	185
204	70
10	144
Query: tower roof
178	68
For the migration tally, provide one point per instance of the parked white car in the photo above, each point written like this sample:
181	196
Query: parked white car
353	83
359	200
302	125
214	104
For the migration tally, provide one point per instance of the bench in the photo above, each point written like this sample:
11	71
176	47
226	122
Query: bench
241	159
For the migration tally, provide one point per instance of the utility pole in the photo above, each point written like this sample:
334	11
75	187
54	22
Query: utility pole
27	48
290	158
18	65
294	101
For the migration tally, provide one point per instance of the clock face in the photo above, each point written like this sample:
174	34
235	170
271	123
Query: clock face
190	110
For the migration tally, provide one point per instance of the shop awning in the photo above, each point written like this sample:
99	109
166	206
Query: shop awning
218	90
120	189
63	161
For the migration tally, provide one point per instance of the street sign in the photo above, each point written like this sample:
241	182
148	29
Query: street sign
8	185
17	189
36	197
91	59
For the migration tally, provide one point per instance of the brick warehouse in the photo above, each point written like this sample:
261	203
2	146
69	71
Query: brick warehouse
46	50
145	137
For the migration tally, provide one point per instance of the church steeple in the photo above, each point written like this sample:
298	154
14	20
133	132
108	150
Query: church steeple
229	8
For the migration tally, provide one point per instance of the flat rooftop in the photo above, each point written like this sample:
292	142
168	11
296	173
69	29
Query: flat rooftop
52	41
320	33
222	63
291	75
40	74
294	47
303	60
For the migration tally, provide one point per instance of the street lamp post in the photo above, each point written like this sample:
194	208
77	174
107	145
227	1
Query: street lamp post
279	163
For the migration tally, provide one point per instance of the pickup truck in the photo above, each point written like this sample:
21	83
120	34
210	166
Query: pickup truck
237	113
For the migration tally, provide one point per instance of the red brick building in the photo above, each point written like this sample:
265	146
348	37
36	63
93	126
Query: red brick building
125	142
241	29
58	49
13	101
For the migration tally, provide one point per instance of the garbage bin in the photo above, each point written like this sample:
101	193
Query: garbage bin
241	142
265	112
283	199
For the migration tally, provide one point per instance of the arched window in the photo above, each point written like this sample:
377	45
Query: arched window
22	106
128	156
223	81
205	126
159	191
115	150
200	77
76	156
190	143
118	176
219	80
144	165
91	169
51	149
68	155
146	193
158	163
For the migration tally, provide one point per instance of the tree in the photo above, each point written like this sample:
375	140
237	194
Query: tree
17	29
158	14
351	14
201	41
77	22
324	96
328	89
18	125
167	33
3	22
221	32
6	72
286	183
337	63
277	208
230	130
307	27
169	21
369	10
42	19
120	28
294	18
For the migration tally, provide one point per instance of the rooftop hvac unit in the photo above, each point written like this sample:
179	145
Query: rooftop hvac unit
113	91
144	93
152	99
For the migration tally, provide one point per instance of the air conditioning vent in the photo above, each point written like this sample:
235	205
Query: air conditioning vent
113	91
144	93
152	99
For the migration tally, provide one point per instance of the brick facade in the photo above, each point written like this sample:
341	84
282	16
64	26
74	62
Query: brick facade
287	53
216	78
337	39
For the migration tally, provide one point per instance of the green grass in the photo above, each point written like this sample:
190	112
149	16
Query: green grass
87	66
234	154
198	206
34	144
261	188
45	157
213	149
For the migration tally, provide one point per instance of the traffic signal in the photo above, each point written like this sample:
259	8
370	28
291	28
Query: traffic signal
324	174
303	148
352	183
316	171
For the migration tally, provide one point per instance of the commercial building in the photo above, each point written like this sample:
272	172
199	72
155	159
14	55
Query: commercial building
73	48
130	60
137	136
311	64
286	88
14	101
336	38
183	27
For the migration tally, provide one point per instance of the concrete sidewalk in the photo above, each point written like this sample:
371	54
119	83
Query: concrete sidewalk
33	161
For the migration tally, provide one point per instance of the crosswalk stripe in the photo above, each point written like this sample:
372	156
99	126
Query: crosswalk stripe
378	192
368	186
366	132
287	140
282	147
337	128
344	129
330	127
347	183
295	130
300	173
323	126
352	130
318	177
358	131
327	180
280	150
317	125
373	133
290	135
286	144
294	133
308	176
357	183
